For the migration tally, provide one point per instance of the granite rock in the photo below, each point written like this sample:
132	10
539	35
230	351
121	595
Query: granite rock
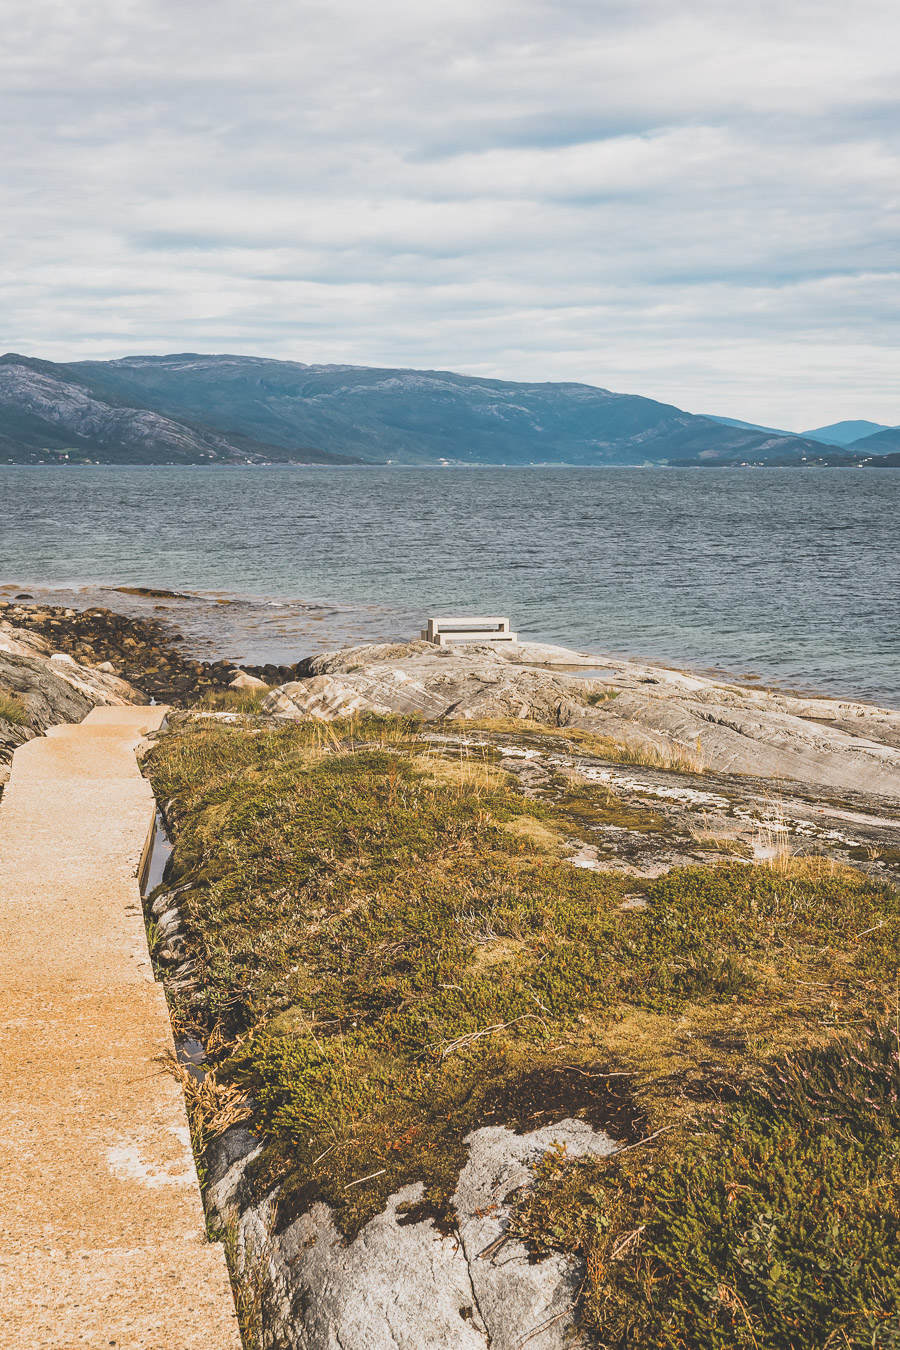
50	687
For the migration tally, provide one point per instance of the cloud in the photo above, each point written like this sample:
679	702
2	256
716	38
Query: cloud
694	201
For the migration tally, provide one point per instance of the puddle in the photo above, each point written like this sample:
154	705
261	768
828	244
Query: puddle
157	859
605	673
192	1056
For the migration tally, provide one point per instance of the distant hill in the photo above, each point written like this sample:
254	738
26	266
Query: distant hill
189	409
885	442
750	426
845	433
49	413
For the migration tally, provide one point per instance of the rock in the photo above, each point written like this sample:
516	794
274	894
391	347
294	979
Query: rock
245	681
431	688
516	1298
513	653
49	689
754	739
828	742
141	650
406	1286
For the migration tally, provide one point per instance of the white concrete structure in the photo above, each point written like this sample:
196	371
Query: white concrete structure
445	632
102	1231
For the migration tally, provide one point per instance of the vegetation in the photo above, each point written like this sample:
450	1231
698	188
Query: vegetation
776	1228
12	709
390	949
680	759
232	700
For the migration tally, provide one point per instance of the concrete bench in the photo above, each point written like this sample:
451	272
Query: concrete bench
447	632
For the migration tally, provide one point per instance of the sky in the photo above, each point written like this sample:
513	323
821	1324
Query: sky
698	202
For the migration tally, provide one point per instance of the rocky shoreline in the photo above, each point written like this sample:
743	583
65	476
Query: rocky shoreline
145	652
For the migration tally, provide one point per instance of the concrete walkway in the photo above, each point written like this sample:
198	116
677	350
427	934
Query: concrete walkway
102	1233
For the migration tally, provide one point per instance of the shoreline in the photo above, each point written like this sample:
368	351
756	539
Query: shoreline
209	623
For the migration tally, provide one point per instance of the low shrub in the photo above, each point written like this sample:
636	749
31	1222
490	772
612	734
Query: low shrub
776	1228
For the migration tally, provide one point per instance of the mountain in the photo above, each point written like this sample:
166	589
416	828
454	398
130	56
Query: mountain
749	426
845	433
885	442
48	413
240	409
891	461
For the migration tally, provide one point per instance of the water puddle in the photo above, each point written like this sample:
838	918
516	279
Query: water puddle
157	859
191	1055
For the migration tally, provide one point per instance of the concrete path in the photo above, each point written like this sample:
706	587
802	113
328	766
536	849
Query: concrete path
102	1233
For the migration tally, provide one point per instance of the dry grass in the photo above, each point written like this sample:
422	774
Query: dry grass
537	833
249	1285
471	775
677	758
813	867
234	700
12	709
213	1107
775	846
720	838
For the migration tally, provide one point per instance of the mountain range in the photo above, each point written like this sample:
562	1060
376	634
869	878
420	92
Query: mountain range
200	409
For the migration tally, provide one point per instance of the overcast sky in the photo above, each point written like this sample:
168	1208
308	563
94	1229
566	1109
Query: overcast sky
699	202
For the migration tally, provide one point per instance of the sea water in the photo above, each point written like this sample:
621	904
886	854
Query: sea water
789	575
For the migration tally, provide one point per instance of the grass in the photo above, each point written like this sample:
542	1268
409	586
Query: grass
391	951
13	710
250	1283
233	700
602	696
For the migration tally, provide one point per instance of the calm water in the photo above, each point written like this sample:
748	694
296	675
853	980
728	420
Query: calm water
790	575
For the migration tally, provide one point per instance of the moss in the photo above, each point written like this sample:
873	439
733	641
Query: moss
602	696
593	806
881	854
401	949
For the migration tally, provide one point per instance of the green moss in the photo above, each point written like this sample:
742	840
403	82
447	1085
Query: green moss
595	806
401	964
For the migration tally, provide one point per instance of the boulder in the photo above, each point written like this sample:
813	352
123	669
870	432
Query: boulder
243	680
